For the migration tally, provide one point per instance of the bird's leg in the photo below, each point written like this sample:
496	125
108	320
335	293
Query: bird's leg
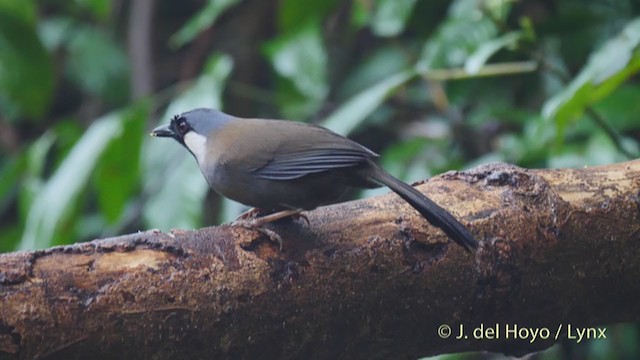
295	213
258	223
255	213
250	214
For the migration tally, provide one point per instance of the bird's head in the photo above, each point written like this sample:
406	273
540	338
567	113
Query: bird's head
193	128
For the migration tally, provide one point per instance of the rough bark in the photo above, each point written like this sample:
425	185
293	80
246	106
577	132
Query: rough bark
366	279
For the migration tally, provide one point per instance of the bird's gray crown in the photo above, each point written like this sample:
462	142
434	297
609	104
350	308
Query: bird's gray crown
203	120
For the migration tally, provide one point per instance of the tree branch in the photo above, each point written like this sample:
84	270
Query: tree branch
139	42
366	279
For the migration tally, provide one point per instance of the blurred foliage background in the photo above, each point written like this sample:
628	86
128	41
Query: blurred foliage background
430	85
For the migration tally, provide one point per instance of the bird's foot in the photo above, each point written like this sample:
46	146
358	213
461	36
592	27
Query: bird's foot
300	216
252	213
255	224
250	221
256	213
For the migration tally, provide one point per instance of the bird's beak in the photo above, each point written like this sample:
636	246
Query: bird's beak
162	131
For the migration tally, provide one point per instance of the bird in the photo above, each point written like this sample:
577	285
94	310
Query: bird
282	168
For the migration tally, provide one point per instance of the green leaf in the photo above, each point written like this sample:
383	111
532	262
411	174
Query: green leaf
97	63
300	58
479	58
25	10
361	14
54	32
382	63
200	22
390	16
206	91
100	8
460	35
26	69
498	9
399	158
117	175
176	189
32	182
52	204
10	173
352	113
608	67
455	42
177	201
601	150
598	150
296	14
622	107
9	237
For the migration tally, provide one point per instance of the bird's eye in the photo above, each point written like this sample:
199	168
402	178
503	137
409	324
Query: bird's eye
183	127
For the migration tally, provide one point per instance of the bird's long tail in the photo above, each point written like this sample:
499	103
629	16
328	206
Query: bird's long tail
431	211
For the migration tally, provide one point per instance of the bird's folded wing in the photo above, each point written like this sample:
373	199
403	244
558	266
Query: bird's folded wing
293	165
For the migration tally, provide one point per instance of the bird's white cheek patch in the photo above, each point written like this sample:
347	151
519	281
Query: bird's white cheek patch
197	144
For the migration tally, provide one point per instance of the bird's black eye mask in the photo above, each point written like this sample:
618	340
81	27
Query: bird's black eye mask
180	127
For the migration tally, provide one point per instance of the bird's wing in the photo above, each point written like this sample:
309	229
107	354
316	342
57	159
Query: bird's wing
307	150
297	163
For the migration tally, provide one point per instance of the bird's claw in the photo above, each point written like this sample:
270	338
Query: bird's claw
252	213
252	224
303	217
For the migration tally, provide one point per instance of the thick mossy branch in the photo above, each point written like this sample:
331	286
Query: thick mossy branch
366	279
